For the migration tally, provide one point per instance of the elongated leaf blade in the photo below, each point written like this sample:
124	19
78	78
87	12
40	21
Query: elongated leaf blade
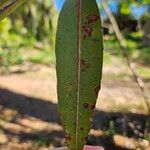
79	51
8	6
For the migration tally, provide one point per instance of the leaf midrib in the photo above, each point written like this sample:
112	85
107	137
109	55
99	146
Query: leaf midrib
79	66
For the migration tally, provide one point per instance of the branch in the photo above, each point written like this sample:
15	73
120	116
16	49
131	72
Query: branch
3	3
7	7
123	46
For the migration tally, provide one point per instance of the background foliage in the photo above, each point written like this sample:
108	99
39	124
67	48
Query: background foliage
28	34
29	28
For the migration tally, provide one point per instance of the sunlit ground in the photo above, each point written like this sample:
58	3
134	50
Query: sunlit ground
28	105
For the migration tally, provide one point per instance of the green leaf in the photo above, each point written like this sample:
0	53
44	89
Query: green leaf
125	9
79	55
8	6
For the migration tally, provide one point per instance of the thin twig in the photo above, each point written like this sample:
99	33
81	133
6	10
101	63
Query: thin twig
131	66
5	10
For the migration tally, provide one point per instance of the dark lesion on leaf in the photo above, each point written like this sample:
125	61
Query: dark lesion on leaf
84	63
74	123
92	18
59	38
97	89
92	107
68	137
96	40
81	128
86	105
85	139
83	70
87	28
87	31
59	120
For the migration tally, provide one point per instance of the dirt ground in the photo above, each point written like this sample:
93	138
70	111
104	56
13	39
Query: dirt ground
29	116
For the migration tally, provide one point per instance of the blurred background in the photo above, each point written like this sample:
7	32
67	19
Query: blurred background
28	100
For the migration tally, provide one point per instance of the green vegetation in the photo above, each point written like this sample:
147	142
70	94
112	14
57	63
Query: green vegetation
16	49
28	35
111	130
136	50
41	142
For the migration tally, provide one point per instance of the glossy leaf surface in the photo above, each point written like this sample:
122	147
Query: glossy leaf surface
79	55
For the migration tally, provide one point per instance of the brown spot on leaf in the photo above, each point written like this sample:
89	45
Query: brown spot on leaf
68	137
83	70
92	18
85	139
59	121
86	105
88	31
85	63
81	128
96	40
84	36
76	5
93	107
97	89
59	114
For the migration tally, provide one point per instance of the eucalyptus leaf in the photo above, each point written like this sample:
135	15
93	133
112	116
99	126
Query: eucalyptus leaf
79	57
